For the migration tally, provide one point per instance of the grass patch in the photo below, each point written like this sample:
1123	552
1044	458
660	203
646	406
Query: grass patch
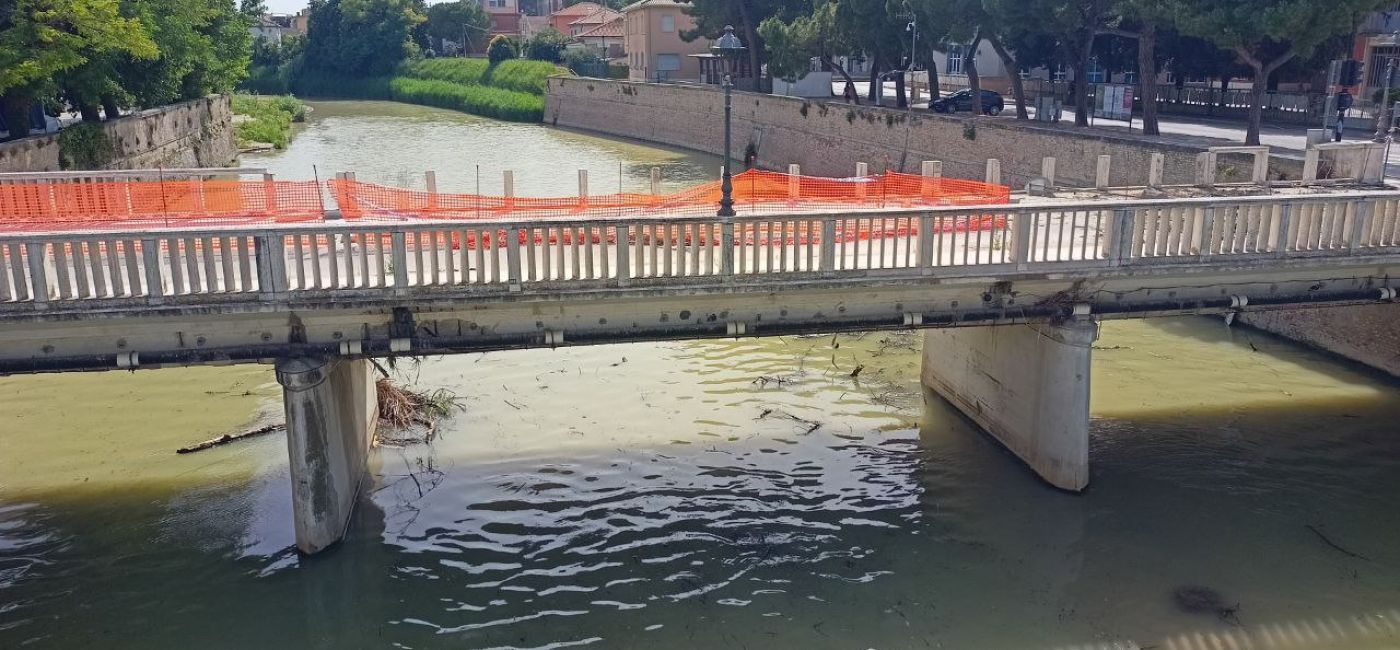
479	100
271	118
520	75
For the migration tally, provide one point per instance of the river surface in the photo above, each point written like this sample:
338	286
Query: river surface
758	493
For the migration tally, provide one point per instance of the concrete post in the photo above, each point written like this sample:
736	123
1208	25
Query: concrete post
1311	160
1156	168
1026	385
269	192
655	181
862	170
332	411
583	187
430	182
1205	169
794	182
1101	175
508	187
993	171
1047	171
932	171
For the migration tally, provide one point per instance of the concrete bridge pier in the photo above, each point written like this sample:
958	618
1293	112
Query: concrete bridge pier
332	411
1026	385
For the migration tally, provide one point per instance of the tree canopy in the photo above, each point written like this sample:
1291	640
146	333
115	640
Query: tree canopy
117	53
453	20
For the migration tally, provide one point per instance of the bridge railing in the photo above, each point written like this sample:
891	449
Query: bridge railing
316	261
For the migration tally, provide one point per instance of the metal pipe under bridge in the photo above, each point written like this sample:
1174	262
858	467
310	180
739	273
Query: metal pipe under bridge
1010	296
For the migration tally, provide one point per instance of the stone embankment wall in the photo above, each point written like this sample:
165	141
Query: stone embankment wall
196	133
1368	334
828	138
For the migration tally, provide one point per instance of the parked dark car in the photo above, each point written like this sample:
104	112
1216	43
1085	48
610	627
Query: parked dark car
992	103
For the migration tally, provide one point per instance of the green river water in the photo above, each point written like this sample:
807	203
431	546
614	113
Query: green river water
677	495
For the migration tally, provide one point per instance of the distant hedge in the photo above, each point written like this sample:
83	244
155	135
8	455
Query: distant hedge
511	90
478	100
520	75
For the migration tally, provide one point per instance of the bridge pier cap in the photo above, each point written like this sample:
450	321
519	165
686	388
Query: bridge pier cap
299	374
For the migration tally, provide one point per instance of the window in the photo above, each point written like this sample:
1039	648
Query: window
955	60
668	23
1097	73
496	3
668	62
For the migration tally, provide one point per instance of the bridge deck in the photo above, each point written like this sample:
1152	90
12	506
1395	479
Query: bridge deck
344	282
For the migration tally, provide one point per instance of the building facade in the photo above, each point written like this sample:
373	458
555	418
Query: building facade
652	40
504	15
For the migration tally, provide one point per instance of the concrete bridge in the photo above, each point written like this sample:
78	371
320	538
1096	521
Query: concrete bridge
1010	296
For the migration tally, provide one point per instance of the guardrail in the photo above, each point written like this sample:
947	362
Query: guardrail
321	260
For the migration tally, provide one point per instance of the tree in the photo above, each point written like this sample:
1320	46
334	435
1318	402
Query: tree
546	45
204	47
791	45
1266	34
460	21
41	38
361	37
711	16
502	48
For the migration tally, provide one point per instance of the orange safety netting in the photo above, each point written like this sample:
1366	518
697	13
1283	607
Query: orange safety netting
148	204
754	192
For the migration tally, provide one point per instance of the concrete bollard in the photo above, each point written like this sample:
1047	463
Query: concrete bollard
430	181
1205	169
1101	176
508	187
794	182
656	180
862	170
269	190
1047	171
932	172
1311	162
1156	168
993	176
583	187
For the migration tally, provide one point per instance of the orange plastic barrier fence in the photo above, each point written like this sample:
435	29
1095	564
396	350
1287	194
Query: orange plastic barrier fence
753	192
30	207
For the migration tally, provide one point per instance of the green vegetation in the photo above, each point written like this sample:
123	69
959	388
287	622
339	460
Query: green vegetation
84	146
101	56
452	21
518	75
547	45
371	49
478	100
502	48
269	119
512	90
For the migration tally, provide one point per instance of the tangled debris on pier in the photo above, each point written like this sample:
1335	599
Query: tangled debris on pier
408	417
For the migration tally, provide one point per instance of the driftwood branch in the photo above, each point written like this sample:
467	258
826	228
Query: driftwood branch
230	437
1328	541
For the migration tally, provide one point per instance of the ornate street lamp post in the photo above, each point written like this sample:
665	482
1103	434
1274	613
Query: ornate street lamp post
728	47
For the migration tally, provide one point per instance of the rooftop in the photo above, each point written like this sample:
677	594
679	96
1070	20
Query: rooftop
645	4
611	29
